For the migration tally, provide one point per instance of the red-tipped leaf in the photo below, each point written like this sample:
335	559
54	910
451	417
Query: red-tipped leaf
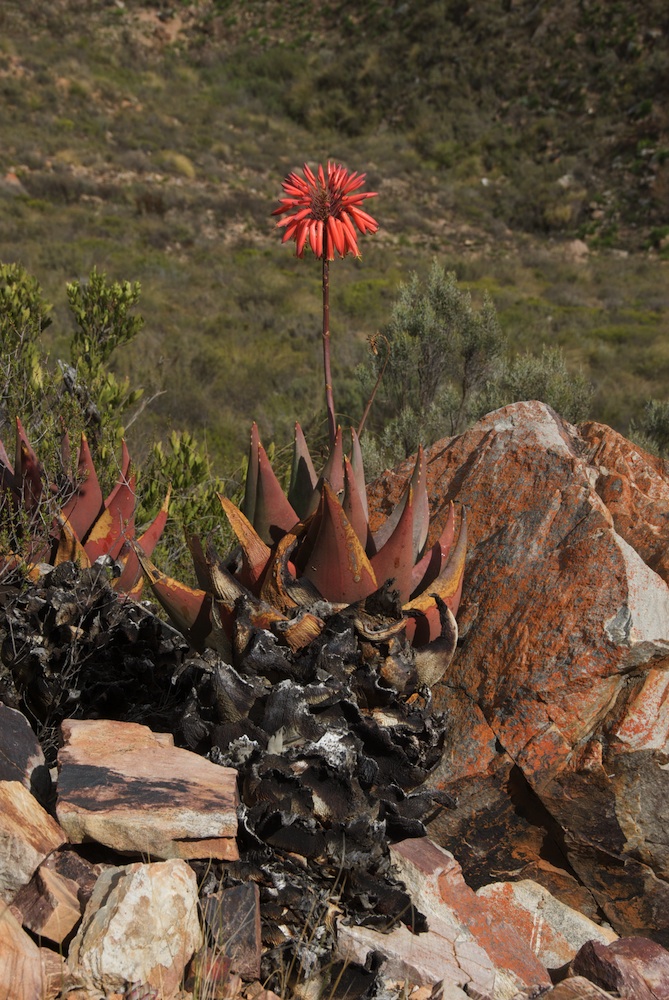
255	553
86	503
395	560
435	558
273	513
303	477
338	566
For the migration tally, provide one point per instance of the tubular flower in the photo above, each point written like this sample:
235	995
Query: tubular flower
324	212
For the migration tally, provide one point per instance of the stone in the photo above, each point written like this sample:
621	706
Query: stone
27	835
49	905
554	930
563	679
26	971
232	917
133	790
466	946
437	888
140	926
21	757
209	975
577	988
418	959
631	968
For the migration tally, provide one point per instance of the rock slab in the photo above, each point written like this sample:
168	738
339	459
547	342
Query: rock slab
140	926
133	790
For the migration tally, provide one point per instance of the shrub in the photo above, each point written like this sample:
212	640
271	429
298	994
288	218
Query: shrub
442	352
545	377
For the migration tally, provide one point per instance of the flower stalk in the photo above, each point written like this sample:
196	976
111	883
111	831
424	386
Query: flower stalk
322	213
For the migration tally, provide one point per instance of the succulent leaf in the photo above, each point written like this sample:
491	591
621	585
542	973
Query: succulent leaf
251	488
435	558
86	503
448	585
303	478
273	514
333	470
395	560
255	553
338	566
189	609
354	505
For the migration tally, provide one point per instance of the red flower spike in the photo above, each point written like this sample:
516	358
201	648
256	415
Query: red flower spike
85	504
303	478
255	554
325	211
337	565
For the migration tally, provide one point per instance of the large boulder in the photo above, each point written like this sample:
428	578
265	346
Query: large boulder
557	700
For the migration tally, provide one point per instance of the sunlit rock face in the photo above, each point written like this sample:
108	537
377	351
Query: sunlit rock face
557	696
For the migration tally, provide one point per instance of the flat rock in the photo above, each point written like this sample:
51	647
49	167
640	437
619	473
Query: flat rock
466	945
133	790
565	671
140	926
554	930
631	968
27	835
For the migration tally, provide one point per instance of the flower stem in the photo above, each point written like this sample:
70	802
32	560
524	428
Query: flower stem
329	398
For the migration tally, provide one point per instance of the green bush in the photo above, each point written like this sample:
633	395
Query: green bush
442	353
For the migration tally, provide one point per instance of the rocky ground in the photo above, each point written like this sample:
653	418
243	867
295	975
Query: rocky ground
299	825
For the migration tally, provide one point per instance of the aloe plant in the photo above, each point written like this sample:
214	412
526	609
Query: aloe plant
308	554
84	526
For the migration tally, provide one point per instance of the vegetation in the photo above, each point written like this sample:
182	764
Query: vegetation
147	140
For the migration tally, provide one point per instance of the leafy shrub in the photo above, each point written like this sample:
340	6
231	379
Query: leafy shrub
442	352
545	377
651	430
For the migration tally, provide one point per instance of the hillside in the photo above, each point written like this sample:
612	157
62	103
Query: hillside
150	140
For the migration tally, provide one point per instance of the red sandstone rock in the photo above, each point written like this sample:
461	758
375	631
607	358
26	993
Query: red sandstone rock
131	789
632	968
26	971
564	672
49	905
27	835
554	931
233	919
437	887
